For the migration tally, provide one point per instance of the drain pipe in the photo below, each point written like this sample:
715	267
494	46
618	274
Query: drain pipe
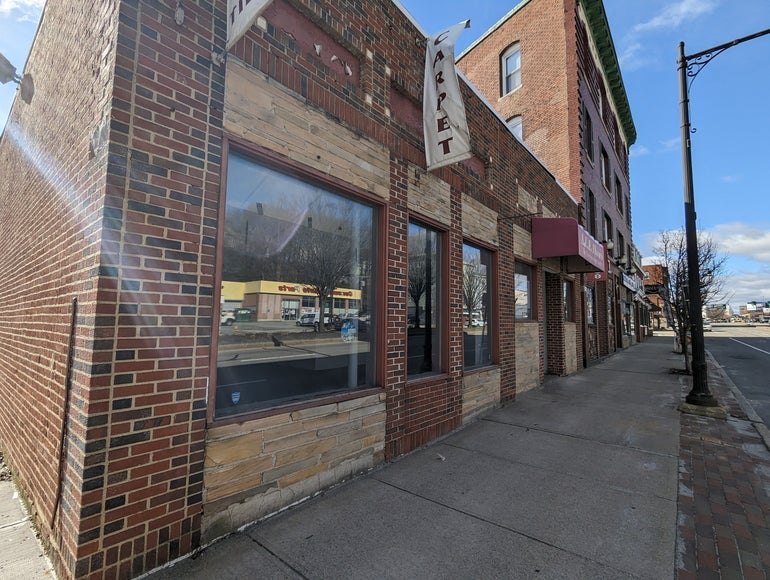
66	406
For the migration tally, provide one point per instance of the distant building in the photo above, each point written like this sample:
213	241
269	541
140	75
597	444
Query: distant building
656	284
550	69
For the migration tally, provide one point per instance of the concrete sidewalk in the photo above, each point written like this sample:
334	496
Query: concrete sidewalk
577	479
596	475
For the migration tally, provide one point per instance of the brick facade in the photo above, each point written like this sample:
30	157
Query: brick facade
128	191
563	79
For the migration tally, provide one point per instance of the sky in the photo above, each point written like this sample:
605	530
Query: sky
728	113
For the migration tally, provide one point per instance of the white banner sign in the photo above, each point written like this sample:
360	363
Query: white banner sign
447	139
241	14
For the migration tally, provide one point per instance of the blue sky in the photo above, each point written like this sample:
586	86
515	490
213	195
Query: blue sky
728	110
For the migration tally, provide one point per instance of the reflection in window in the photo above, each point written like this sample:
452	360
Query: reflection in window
294	256
523	291
424	318
477	269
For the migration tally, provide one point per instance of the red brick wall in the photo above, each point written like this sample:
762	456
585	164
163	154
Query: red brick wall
140	253
51	213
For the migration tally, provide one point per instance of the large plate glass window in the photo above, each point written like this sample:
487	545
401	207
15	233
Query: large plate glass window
297	269
477	307
523	291
423	348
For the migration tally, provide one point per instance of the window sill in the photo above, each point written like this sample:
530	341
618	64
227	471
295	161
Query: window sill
296	406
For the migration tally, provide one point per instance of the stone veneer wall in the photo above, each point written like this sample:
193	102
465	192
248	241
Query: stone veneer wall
259	466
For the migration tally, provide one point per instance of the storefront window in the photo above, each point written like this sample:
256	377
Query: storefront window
286	245
523	291
477	269
423	348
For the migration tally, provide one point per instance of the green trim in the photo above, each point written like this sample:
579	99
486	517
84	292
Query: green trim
600	31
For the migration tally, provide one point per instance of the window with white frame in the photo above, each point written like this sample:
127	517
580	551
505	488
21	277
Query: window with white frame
517	128
286	240
511	69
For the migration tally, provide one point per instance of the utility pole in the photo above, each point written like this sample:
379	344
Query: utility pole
690	66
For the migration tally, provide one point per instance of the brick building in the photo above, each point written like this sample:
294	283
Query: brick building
138	426
550	69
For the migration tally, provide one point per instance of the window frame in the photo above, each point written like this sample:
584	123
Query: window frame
492	311
531	290
606	172
442	293
516	125
588	134
336	186
505	74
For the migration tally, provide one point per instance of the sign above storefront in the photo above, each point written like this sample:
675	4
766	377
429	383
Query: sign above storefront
447	139
564	237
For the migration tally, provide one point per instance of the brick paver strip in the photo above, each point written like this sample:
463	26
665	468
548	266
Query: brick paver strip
724	481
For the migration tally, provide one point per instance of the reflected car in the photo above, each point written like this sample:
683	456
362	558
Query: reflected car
227	318
706	326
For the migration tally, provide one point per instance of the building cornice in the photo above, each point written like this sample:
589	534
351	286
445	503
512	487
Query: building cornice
600	31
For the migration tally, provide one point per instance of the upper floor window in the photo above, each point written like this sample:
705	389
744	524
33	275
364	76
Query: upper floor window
628	211
515	123
511	69
619	197
477	306
591	213
608	234
423	347
605	168
295	257
588	134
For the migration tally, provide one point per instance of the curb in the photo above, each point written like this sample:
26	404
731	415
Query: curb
744	403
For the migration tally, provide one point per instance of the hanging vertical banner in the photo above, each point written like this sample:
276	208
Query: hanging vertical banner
241	14
447	139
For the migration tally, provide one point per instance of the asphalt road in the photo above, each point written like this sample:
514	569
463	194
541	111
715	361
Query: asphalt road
744	353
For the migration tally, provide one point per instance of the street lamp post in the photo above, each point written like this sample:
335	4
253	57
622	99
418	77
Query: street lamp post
690	66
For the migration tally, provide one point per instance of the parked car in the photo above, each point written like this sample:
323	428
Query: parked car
706	326
311	319
227	317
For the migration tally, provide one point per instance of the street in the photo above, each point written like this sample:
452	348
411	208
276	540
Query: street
744	353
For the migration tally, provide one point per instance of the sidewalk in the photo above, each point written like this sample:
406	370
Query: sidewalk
589	476
577	479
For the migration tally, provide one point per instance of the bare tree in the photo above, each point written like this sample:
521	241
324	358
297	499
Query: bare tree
671	250
322	261
474	286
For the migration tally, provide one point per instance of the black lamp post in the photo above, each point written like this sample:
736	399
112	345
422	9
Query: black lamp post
690	66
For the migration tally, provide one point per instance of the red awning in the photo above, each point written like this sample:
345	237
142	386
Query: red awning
564	237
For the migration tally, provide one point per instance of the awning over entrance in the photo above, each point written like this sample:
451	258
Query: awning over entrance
564	237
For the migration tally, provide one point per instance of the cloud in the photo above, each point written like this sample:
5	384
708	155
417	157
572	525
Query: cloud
747	286
28	10
742	239
731	178
673	15
639	150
